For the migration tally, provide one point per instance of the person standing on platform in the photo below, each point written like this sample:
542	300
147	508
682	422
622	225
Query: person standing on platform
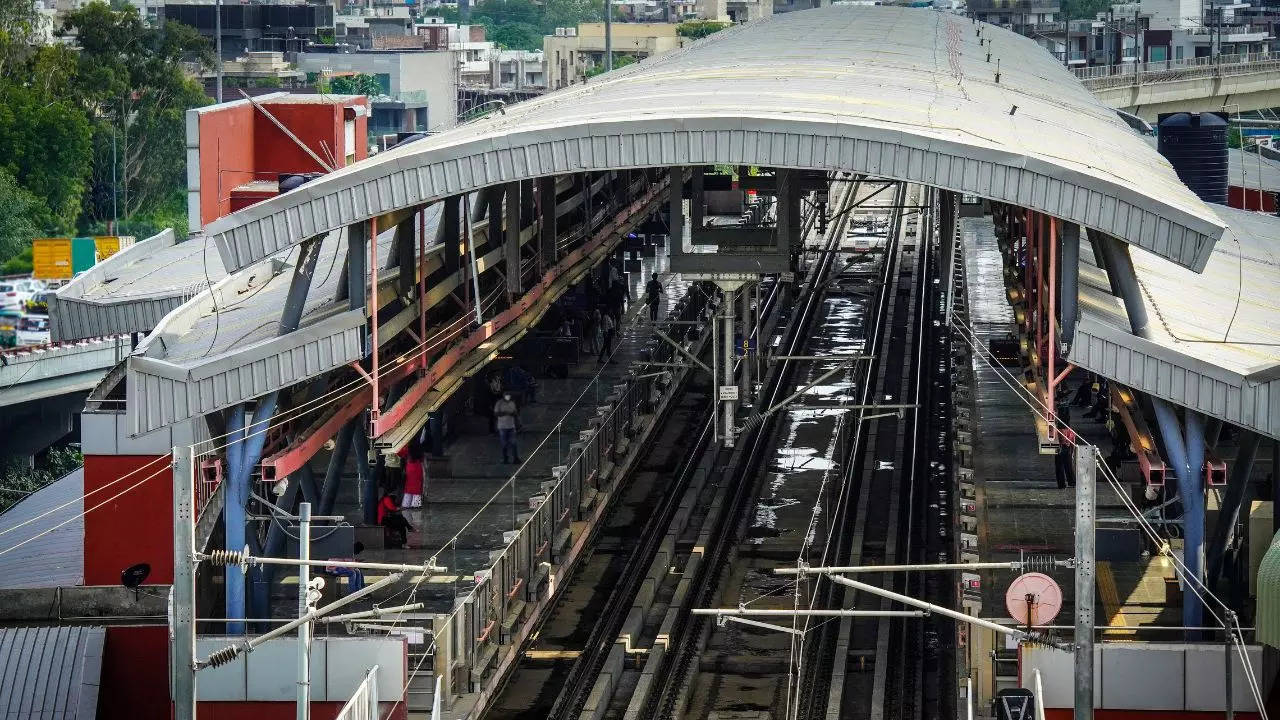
415	471
508	421
608	327
653	293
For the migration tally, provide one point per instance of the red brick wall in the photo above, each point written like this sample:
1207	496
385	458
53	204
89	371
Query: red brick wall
136	526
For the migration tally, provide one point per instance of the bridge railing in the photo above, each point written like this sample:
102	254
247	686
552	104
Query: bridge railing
1103	77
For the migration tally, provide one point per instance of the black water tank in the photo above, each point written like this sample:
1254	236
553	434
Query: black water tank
1196	145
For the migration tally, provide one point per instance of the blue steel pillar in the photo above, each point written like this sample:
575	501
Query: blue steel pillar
245	449
368	483
1229	512
1185	450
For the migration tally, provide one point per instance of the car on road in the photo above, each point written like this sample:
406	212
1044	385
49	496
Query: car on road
16	293
33	330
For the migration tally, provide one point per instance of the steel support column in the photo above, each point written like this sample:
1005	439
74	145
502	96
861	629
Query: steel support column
675	212
511	243
696	204
251	439
546	223
182	651
1229	509
1086	540
747	329
368	483
1069	282
264	575
451	234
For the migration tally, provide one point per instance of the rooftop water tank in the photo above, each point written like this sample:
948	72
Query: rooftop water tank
1196	145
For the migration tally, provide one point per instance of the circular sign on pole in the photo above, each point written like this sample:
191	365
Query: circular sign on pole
1033	599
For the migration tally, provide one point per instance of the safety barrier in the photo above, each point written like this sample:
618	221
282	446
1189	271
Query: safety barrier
363	704
479	639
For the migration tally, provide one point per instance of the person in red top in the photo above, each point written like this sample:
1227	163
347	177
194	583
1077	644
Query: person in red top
415	472
397	529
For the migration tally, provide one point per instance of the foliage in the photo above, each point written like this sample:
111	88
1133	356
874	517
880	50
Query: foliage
520	24
45	141
171	213
699	28
130	80
619	61
19	481
359	84
19	216
1235	140
19	264
1083	9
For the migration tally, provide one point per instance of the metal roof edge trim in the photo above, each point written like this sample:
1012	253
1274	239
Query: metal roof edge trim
1174	376
160	393
430	173
75	289
71	315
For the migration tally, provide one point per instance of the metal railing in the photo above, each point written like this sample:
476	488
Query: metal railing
363	704
1102	77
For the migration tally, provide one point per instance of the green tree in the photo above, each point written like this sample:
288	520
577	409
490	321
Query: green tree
699	28
130	79
17	481
619	61
20	216
45	145
359	84
568	13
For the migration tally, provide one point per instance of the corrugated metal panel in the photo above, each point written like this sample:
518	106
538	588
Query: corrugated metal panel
54	559
50	673
1178	377
893	92
1268	620
133	290
160	393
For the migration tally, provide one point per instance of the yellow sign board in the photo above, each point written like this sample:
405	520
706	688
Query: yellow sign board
107	246
51	258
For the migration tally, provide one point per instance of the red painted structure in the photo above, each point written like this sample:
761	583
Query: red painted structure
132	519
240	152
1251	199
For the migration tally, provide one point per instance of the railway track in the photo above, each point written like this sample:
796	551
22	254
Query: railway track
813	485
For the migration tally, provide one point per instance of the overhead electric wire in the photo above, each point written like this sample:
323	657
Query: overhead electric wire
1184	573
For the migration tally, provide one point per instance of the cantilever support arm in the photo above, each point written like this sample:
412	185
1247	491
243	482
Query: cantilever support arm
681	350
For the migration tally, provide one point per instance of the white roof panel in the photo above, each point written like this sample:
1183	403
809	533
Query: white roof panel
910	94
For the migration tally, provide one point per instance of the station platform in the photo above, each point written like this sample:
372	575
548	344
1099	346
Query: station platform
471	497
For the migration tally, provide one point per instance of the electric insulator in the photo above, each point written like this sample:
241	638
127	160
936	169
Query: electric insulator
223	656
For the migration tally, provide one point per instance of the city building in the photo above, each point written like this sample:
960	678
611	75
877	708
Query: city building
286	27
419	88
571	53
256	70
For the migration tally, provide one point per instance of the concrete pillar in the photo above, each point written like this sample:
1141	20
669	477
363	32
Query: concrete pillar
547	221
511	240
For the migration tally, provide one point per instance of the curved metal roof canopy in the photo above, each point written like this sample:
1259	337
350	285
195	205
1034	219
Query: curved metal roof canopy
901	93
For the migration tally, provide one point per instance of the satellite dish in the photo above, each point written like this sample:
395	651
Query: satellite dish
133	576
1033	599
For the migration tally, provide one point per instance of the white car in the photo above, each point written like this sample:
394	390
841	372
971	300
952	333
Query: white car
33	330
13	294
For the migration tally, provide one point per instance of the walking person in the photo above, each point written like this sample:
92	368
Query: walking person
608	327
507	417
653	293
415	472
